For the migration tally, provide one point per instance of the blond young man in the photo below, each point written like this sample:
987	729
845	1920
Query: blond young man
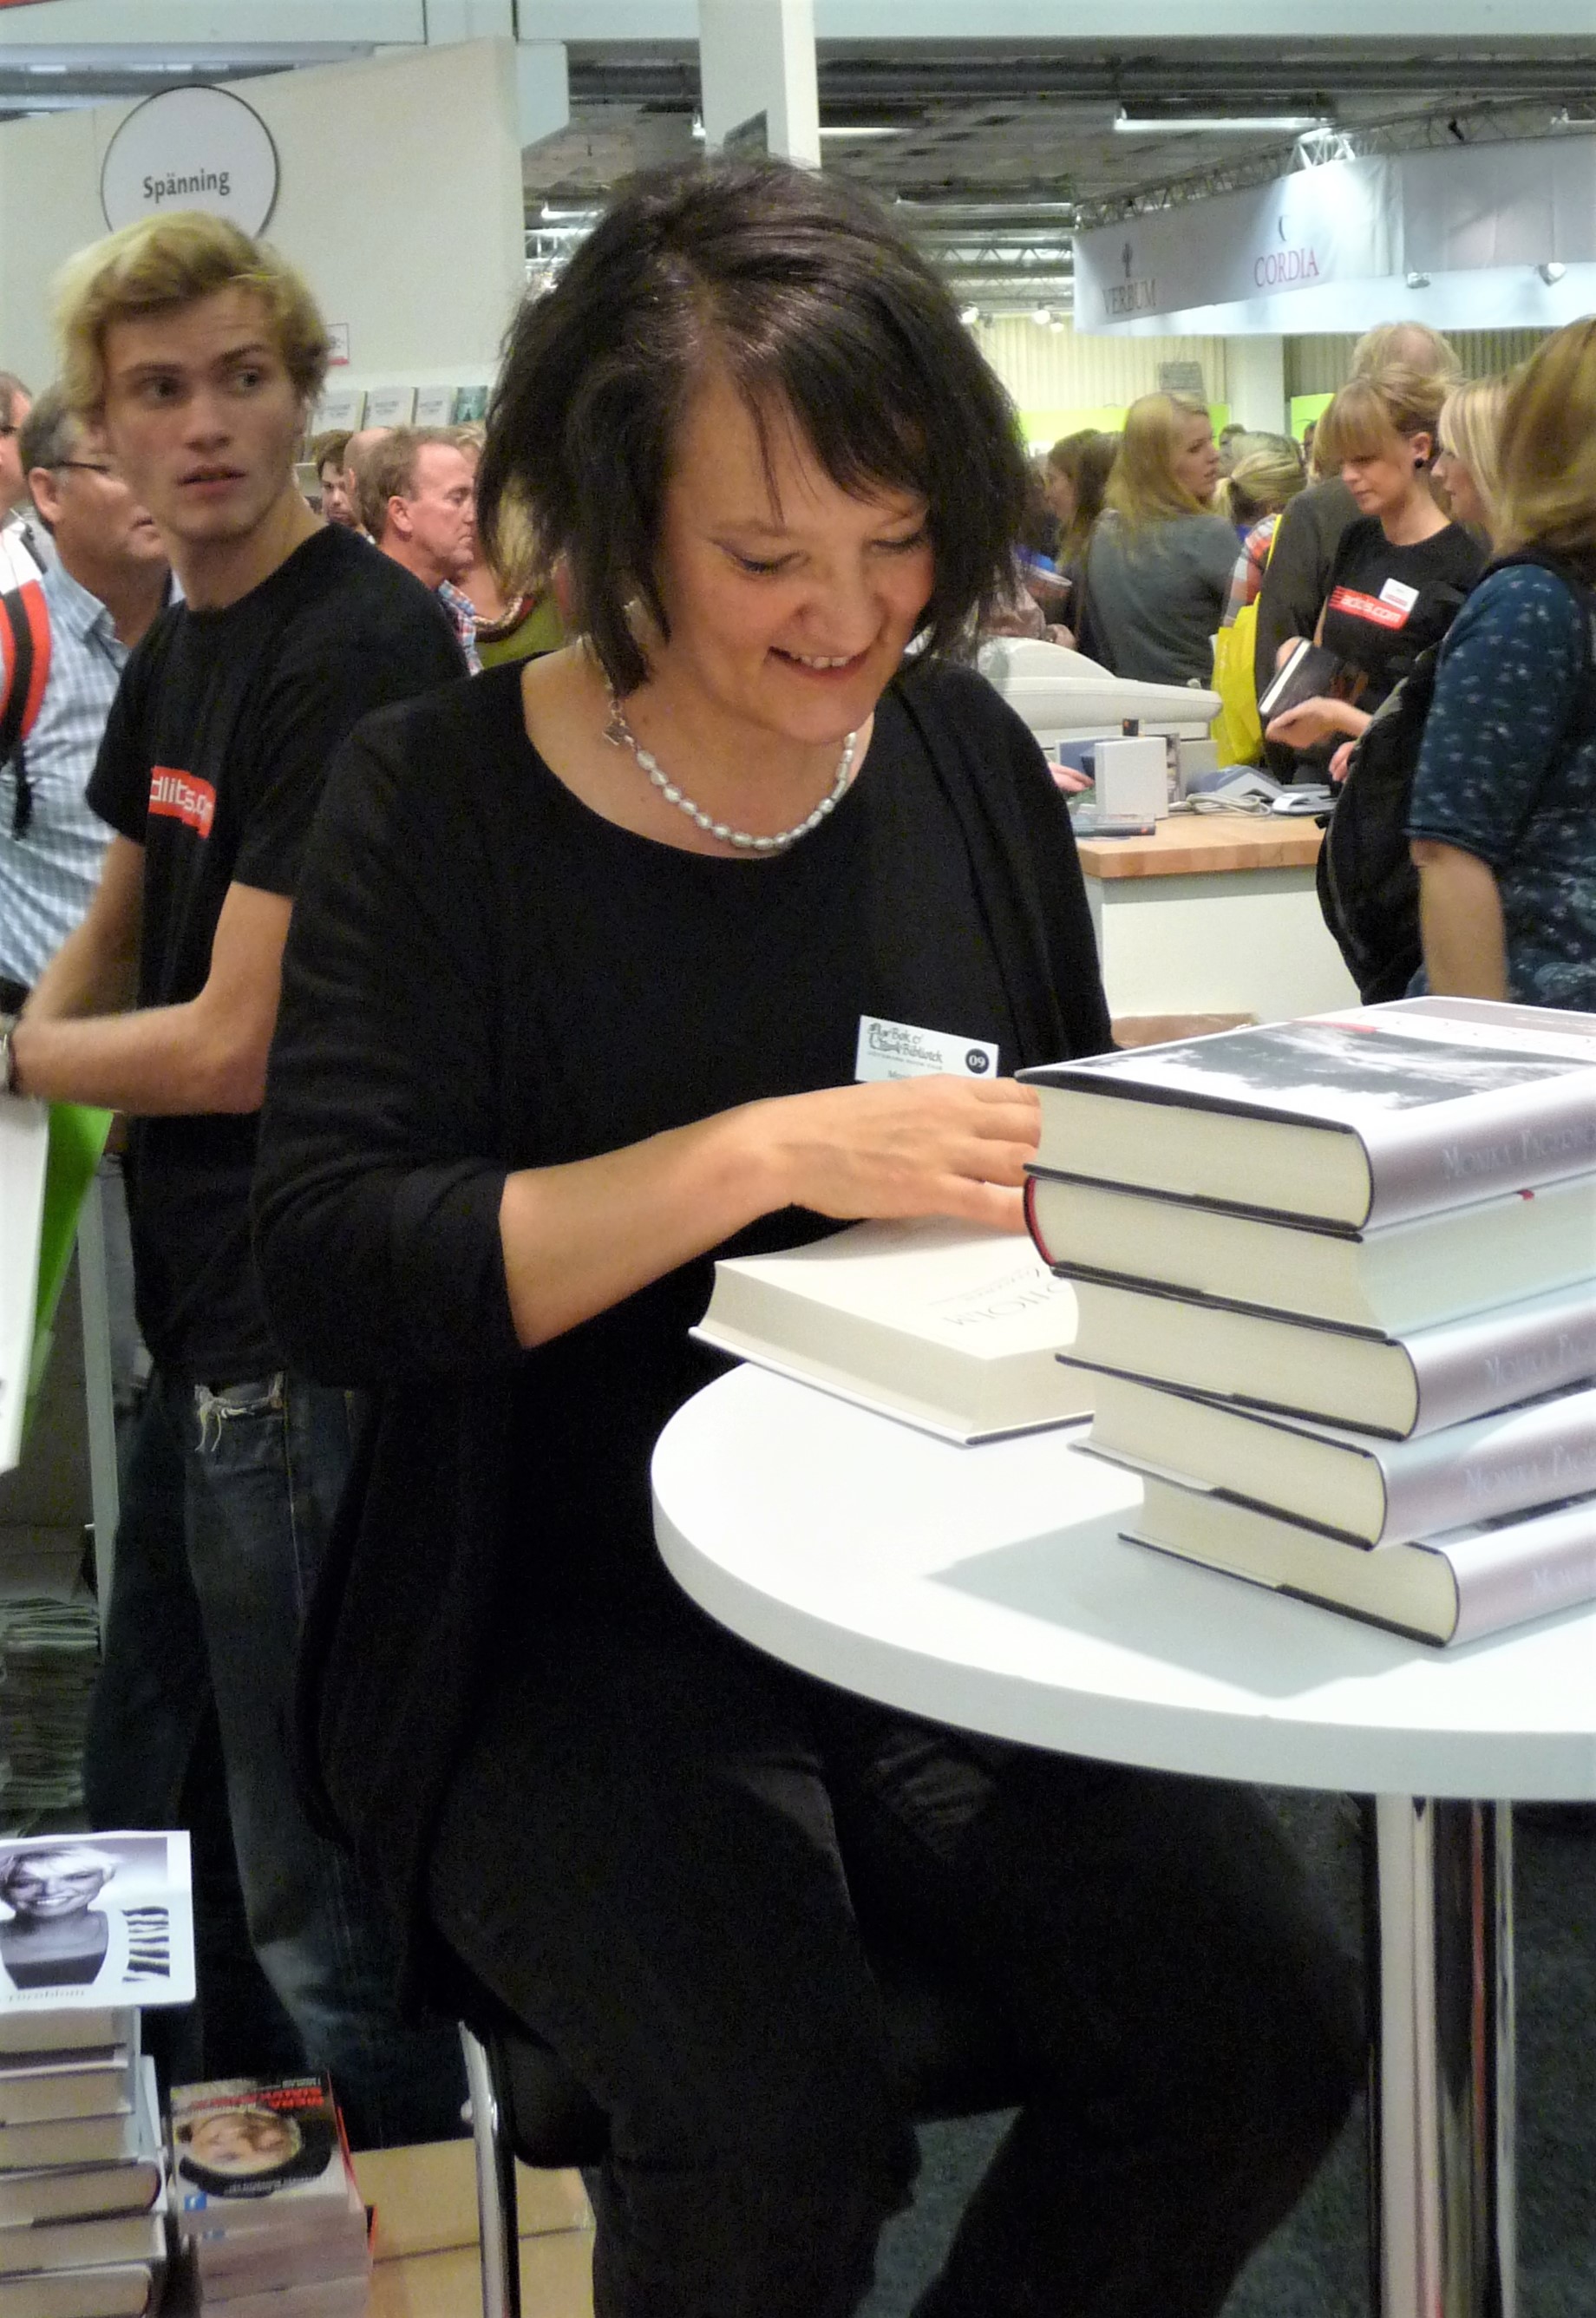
198	352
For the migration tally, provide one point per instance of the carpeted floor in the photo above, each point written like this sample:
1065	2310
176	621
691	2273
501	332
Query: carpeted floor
1317	2265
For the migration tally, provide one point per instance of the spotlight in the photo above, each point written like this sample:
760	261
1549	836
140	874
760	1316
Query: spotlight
1042	315
969	316
1551	270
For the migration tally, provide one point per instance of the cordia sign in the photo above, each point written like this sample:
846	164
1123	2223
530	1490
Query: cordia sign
1284	269
191	148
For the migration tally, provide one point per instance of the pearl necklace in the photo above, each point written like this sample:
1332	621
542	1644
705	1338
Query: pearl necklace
619	734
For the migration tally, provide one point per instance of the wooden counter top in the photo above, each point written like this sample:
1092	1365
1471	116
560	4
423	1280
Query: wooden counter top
1201	844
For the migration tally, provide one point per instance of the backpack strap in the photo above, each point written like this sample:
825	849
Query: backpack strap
25	653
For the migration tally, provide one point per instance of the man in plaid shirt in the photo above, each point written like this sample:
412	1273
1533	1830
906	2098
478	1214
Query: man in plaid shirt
106	582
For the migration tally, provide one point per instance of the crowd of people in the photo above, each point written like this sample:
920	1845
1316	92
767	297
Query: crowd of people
481	878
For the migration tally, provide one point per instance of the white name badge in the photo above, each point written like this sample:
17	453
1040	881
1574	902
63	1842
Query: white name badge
1397	592
898	1050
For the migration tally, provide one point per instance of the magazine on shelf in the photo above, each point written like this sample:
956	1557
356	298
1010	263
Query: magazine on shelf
90	1923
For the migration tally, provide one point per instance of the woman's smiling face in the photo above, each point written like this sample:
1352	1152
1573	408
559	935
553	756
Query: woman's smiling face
789	601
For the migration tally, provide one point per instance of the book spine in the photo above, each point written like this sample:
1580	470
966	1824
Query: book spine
1525	1571
1503	1356
1515	1140
1500	1465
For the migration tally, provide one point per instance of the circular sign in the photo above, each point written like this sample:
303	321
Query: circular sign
191	148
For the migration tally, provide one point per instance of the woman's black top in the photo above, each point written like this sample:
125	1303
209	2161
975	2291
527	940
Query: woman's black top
1385	604
484	974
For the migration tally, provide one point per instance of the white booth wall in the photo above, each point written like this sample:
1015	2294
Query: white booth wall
399	200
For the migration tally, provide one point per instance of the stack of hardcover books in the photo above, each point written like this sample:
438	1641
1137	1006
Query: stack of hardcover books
1337	1280
93	1929
271	2221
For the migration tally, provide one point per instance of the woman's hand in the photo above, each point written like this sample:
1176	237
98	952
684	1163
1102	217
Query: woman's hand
1341	764
1315	720
930	1146
579	1237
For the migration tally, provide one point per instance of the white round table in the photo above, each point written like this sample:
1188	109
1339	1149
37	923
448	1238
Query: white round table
989	1587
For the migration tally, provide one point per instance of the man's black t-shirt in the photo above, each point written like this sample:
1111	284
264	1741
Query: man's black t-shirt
1387	603
213	760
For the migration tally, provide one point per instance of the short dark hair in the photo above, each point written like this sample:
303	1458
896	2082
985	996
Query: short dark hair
798	287
11	387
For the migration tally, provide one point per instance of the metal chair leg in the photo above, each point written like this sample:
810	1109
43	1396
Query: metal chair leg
497	2221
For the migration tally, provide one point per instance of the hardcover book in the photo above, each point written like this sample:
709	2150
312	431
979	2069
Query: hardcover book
1310	672
1389	1280
109	2290
1400	1385
1455	1587
1368	1117
1368	1491
78	2192
951	1329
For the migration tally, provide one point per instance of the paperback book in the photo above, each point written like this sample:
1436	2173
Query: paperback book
105	2290
953	1330
1370	1117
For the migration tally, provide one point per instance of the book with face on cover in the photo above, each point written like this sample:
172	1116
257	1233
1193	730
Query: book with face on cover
1371	1116
91	1925
951	1329
258	2156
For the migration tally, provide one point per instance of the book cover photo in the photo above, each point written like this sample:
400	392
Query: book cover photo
95	1921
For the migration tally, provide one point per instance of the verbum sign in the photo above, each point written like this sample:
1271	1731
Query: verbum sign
1334	223
191	148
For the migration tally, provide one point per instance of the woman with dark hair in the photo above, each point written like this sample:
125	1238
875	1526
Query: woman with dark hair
1075	476
573	1000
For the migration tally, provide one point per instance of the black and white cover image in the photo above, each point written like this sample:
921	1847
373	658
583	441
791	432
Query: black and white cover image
95	1920
1367	1062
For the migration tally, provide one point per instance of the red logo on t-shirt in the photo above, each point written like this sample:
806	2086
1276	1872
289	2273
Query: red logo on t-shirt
181	797
1359	606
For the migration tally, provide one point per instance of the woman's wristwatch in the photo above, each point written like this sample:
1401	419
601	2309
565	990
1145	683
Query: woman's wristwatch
8	1023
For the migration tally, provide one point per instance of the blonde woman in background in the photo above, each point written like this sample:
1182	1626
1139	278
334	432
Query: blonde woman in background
1467	466
1262	484
1402	569
1158	566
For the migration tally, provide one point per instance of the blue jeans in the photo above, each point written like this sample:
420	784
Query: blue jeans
209	1608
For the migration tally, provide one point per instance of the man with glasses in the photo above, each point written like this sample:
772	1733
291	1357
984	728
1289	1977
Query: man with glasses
104	584
22	552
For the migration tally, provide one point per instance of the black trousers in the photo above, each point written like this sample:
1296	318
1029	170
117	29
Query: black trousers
658	1852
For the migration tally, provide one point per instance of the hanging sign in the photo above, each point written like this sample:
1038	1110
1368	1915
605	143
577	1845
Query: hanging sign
1274	241
191	148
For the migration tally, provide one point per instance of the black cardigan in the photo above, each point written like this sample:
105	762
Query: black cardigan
385	1145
